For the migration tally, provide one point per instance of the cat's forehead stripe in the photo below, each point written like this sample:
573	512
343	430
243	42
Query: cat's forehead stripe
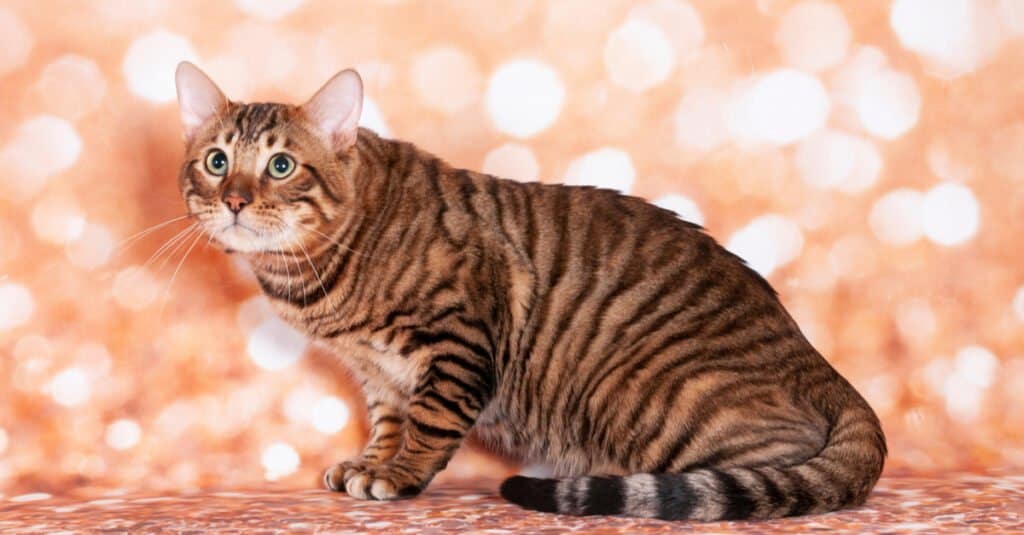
252	120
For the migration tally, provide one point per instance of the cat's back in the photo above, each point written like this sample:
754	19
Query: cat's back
555	223
590	269
585	237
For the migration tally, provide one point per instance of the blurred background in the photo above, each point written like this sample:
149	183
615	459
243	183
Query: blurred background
867	156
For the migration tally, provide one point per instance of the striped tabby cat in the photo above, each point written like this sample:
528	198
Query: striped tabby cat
656	373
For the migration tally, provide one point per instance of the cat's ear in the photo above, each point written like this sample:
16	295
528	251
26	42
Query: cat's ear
335	109
198	97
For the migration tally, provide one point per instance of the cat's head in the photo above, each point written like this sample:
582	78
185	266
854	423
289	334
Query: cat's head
264	177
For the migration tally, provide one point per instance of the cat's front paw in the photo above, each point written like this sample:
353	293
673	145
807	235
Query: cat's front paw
379	482
336	476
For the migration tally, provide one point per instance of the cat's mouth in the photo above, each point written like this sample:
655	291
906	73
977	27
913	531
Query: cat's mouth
237	236
245	231
238	226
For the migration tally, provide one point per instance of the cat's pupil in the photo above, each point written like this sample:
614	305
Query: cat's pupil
280	164
219	161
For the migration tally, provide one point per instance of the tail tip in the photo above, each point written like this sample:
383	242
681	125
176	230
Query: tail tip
531	493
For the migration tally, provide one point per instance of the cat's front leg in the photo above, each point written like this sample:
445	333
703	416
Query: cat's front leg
441	412
386	419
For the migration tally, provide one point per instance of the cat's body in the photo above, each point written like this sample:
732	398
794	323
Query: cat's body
571	326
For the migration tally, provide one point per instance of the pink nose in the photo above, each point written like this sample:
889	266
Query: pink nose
235	202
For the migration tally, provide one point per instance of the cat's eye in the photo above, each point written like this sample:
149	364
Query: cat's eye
280	166
217	163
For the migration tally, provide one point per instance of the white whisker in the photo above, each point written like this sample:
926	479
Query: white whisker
298	270
331	240
287	270
167	244
121	247
310	261
181	243
175	275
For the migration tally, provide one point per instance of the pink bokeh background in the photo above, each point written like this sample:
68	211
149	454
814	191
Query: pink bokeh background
866	156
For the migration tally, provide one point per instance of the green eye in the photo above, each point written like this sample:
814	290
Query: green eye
280	166
217	163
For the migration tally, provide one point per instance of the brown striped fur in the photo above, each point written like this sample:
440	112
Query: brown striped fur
652	369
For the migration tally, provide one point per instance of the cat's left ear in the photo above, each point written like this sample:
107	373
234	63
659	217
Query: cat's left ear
199	99
335	109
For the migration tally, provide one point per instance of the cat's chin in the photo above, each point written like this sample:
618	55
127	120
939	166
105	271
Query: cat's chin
240	239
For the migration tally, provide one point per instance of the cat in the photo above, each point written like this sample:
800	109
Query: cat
651	368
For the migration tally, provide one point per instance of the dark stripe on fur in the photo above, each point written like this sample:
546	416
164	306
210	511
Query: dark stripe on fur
677	499
605	496
531	493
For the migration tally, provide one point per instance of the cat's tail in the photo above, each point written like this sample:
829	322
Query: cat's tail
840	475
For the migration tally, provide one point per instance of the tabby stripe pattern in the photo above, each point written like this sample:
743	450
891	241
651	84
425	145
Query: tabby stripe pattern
657	373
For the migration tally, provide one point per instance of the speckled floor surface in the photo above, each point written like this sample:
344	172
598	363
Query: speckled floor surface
950	504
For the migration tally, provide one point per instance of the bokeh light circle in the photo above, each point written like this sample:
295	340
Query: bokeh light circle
524	97
951	214
512	160
1018	303
831	159
813	35
638	55
699	119
274	345
895	217
889	104
71	86
446	78
279	459
92	249
16	305
330	415
150	61
70	387
781	106
607	167
268	9
767	243
42	147
685	207
17	41
123	434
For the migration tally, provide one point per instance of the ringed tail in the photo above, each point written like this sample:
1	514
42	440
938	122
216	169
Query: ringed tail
841	475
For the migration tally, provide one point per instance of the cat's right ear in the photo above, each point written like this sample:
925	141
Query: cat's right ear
199	99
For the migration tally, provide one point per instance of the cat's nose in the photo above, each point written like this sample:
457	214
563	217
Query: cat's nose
236	200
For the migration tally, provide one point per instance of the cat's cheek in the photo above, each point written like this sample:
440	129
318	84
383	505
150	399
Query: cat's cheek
294	227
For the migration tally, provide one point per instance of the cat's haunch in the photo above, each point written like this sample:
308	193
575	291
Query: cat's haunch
573	326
